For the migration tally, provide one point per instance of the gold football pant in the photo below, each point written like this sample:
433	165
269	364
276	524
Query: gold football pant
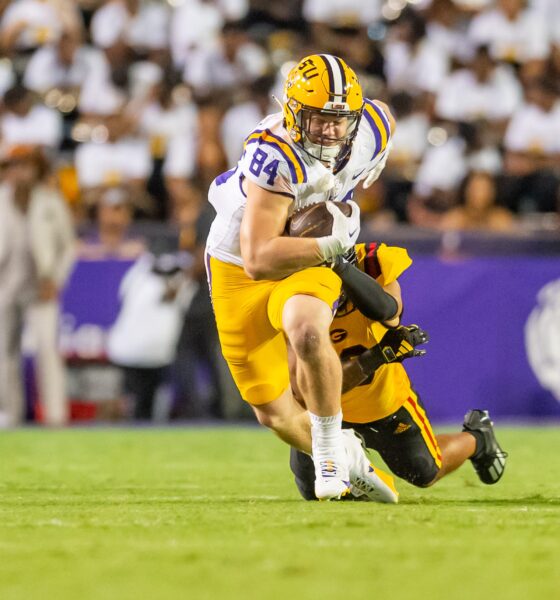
249	319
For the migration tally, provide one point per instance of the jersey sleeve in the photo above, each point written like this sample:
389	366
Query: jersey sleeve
379	128
272	163
384	263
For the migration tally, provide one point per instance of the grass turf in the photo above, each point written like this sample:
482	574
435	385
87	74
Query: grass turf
212	513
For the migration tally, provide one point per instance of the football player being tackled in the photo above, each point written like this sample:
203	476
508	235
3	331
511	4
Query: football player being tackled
268	288
379	403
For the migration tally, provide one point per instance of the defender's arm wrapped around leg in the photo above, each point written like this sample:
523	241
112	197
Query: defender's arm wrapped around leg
365	293
395	346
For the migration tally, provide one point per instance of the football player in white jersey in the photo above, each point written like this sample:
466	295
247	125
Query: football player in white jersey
269	290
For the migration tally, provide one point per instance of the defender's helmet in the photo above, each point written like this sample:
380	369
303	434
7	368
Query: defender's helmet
324	86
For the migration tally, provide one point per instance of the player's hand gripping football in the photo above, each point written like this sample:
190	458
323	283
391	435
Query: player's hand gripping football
345	231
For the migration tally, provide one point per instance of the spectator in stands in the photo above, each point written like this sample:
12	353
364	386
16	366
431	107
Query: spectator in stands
340	27
443	167
36	256
483	91
67	65
112	238
169	119
444	28
29	24
514	32
186	39
236	124
532	143
413	63
122	27
28	122
234	62
112	151
477	207
410	142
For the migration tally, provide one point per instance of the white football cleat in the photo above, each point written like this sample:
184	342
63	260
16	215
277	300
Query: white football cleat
332	480
371	481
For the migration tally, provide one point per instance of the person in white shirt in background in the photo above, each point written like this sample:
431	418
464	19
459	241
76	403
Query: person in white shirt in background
413	63
484	90
515	33
234	61
410	142
184	38
25	121
28	24
36	255
67	64
168	118
155	294
236	126
532	144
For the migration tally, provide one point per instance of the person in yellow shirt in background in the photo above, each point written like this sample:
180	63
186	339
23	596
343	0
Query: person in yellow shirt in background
378	400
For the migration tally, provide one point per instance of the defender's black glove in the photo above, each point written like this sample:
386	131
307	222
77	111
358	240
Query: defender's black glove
395	346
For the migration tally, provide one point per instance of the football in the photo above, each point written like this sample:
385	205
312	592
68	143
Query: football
314	220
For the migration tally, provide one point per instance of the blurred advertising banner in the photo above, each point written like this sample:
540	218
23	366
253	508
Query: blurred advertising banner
475	310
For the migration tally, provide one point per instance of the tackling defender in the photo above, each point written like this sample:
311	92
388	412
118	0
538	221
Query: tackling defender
267	288
378	400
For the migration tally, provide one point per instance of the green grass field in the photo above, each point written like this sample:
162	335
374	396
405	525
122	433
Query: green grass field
212	513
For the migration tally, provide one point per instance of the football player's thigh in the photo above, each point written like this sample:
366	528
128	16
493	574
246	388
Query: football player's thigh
319	282
255	352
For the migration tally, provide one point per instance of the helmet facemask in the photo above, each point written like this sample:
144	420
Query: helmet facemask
321	146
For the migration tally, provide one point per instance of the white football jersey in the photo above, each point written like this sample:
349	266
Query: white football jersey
272	161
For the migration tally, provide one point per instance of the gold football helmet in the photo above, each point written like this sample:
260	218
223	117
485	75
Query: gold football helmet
322	107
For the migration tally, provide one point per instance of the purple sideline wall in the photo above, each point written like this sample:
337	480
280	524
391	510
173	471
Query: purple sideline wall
474	309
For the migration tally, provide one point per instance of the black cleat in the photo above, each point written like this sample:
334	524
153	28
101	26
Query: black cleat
490	461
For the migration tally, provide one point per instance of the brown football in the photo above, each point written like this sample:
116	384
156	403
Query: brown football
314	220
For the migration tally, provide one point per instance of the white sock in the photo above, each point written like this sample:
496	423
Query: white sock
326	432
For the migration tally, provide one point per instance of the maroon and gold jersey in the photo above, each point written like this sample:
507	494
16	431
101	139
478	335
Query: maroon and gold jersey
352	333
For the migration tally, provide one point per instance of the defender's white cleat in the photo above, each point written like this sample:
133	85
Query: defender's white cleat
371	481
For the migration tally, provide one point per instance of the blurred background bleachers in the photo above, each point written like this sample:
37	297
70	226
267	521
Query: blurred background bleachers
137	105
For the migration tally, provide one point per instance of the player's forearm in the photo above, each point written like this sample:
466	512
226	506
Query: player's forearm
366	294
279	257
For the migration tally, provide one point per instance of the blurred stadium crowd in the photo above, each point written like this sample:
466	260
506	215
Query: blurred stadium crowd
127	109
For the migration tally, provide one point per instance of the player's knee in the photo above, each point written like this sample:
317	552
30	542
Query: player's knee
272	421
306	340
424	475
266	419
418	470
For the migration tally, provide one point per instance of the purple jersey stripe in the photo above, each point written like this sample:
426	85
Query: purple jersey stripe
375	130
382	116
